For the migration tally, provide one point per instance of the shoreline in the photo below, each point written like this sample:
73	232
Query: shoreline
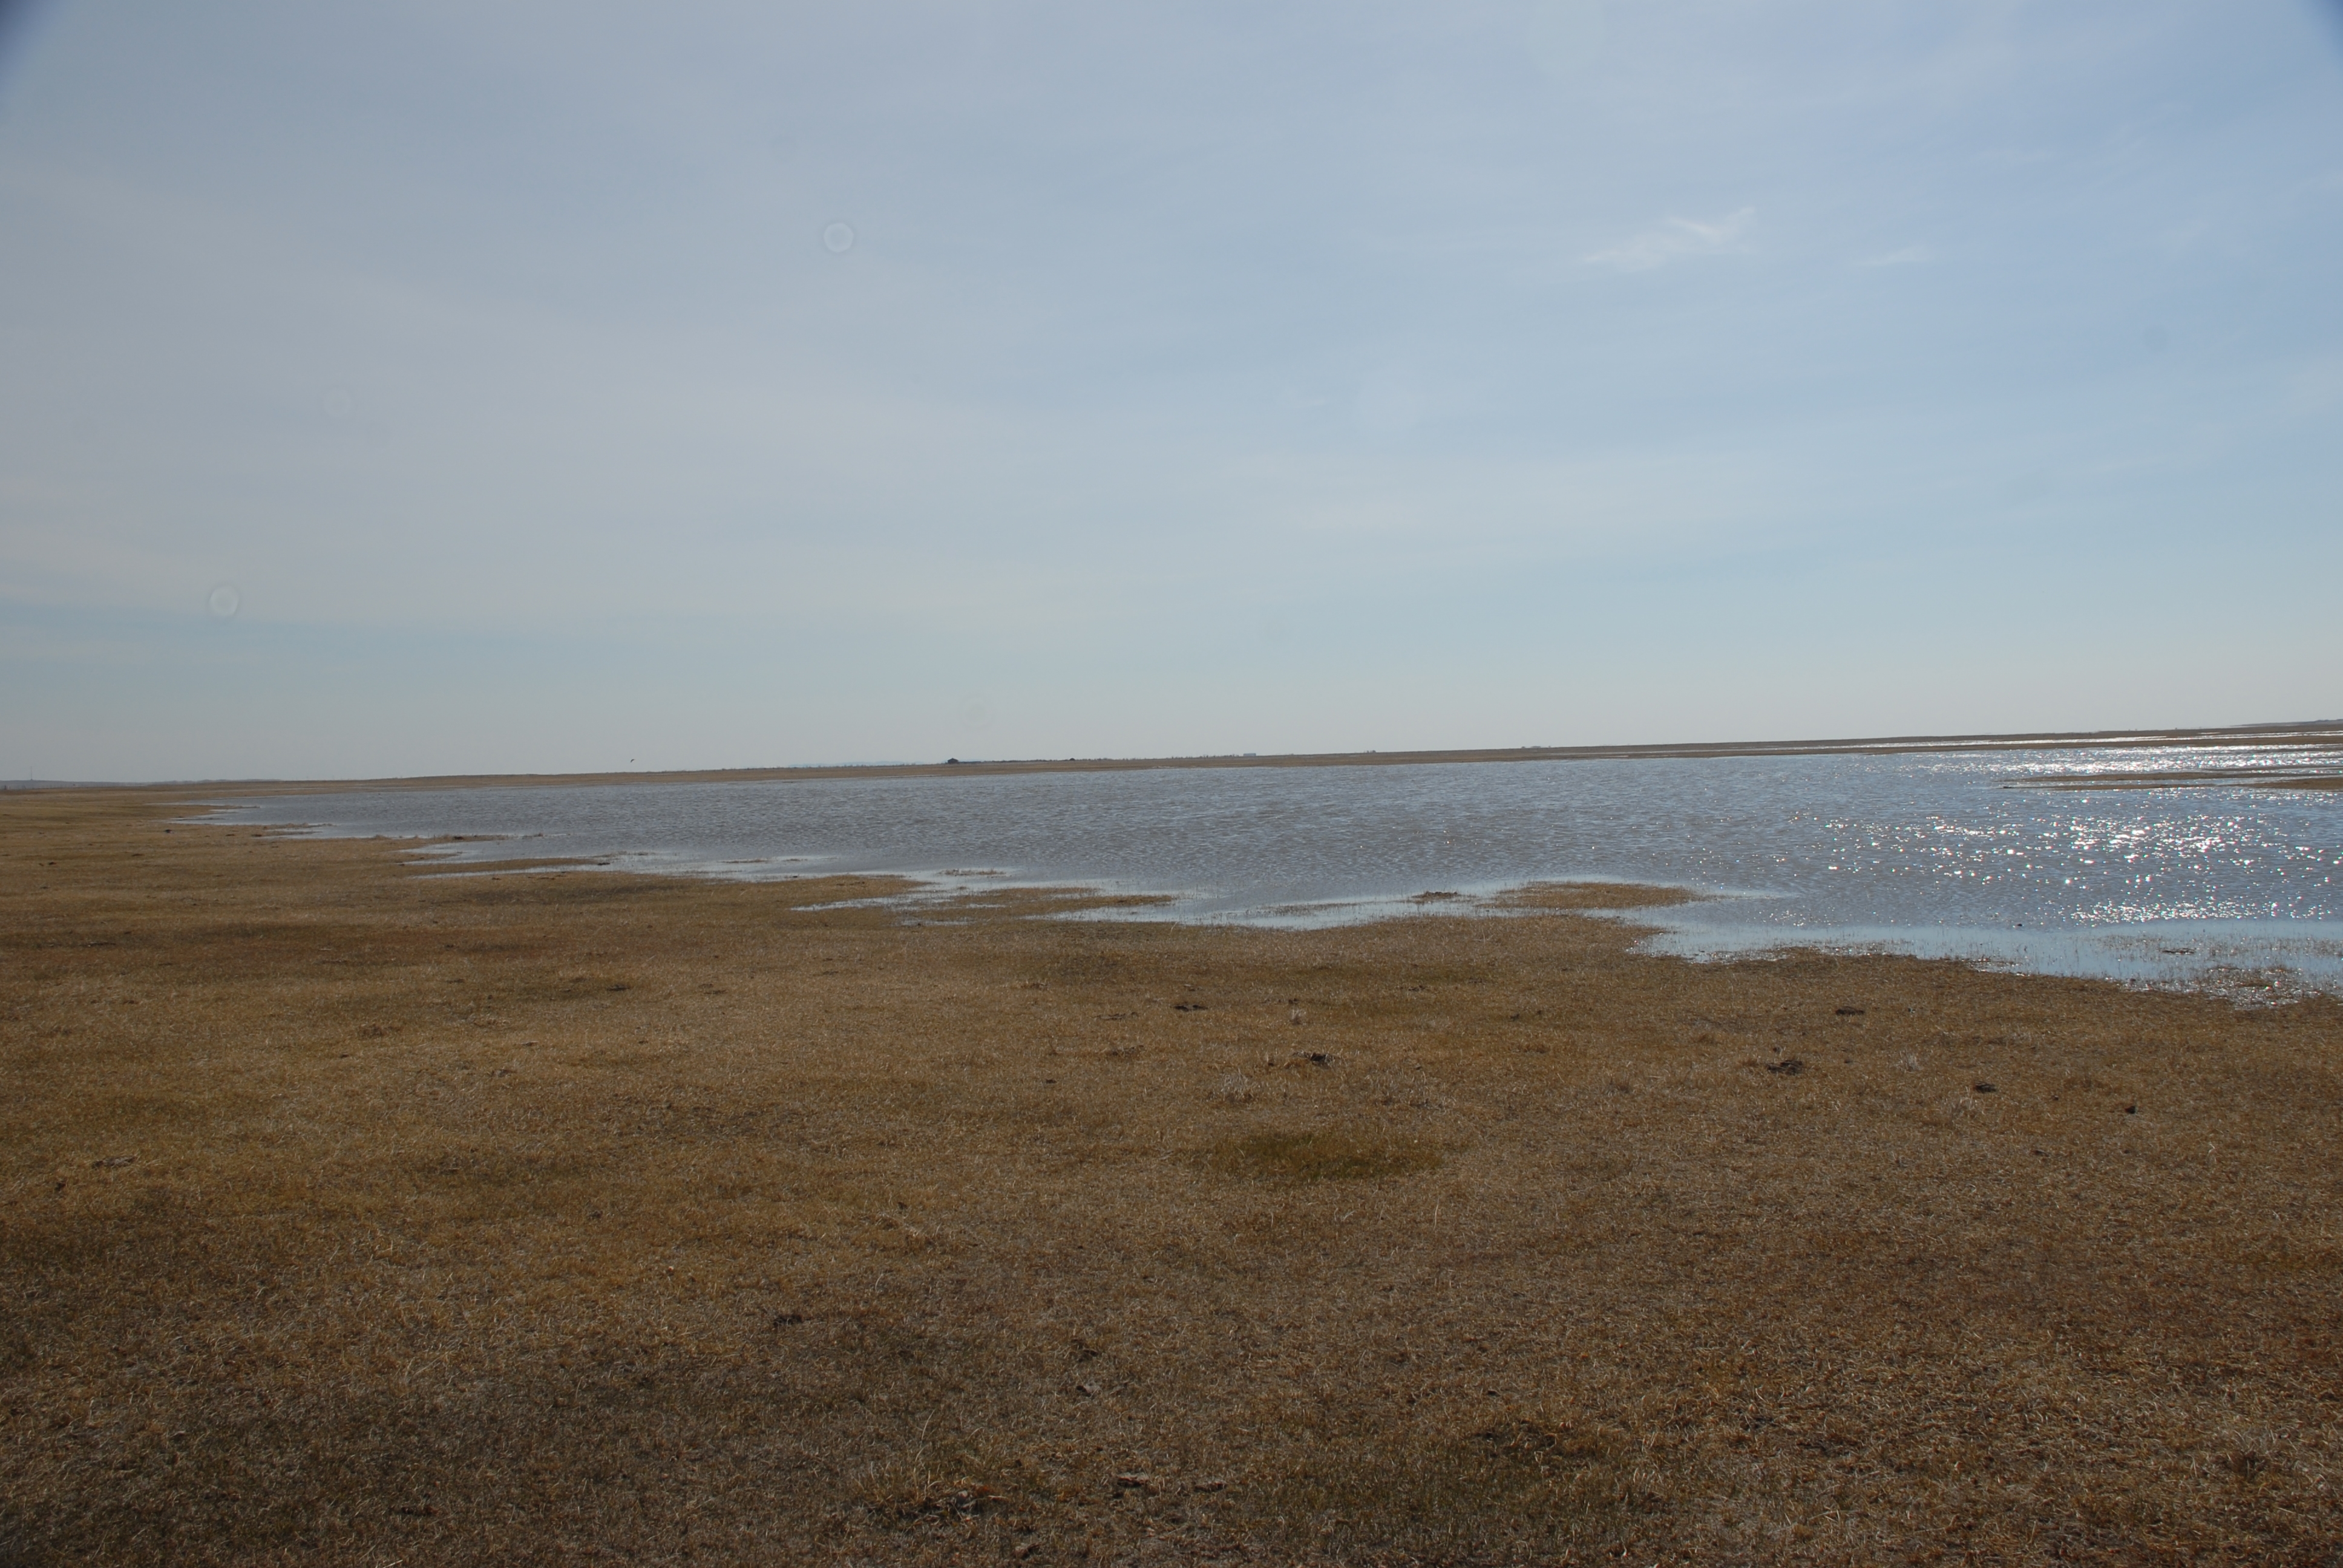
2291	736
354	1212
1986	949
2239	954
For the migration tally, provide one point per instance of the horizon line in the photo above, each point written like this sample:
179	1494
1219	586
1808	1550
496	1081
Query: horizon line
2297	731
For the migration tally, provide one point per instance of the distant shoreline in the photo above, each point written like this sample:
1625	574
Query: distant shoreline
2305	734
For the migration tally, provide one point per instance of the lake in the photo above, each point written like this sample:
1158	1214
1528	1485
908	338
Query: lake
1961	854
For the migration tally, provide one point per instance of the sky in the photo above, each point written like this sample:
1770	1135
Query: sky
441	387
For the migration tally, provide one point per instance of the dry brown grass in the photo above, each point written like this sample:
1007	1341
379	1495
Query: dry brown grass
357	1215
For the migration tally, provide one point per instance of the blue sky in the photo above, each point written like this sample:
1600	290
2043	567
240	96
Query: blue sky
437	388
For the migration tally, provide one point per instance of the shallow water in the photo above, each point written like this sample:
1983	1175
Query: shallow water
1935	853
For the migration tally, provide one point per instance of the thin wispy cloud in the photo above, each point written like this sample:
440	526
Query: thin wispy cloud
1675	239
1910	256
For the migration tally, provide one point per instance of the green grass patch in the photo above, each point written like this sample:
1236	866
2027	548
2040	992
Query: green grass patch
1321	1157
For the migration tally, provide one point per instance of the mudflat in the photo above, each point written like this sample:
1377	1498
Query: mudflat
356	1213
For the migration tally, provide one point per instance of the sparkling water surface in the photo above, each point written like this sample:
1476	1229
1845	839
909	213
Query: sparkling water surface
1940	854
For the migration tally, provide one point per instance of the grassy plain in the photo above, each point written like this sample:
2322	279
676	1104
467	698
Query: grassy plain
350	1214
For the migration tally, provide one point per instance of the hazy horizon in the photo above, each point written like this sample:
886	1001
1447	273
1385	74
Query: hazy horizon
440	391
2104	742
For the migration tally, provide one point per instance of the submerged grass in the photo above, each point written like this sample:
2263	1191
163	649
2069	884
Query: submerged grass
349	1214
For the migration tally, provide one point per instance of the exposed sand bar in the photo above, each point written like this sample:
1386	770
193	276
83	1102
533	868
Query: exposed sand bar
2264	737
349	1214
